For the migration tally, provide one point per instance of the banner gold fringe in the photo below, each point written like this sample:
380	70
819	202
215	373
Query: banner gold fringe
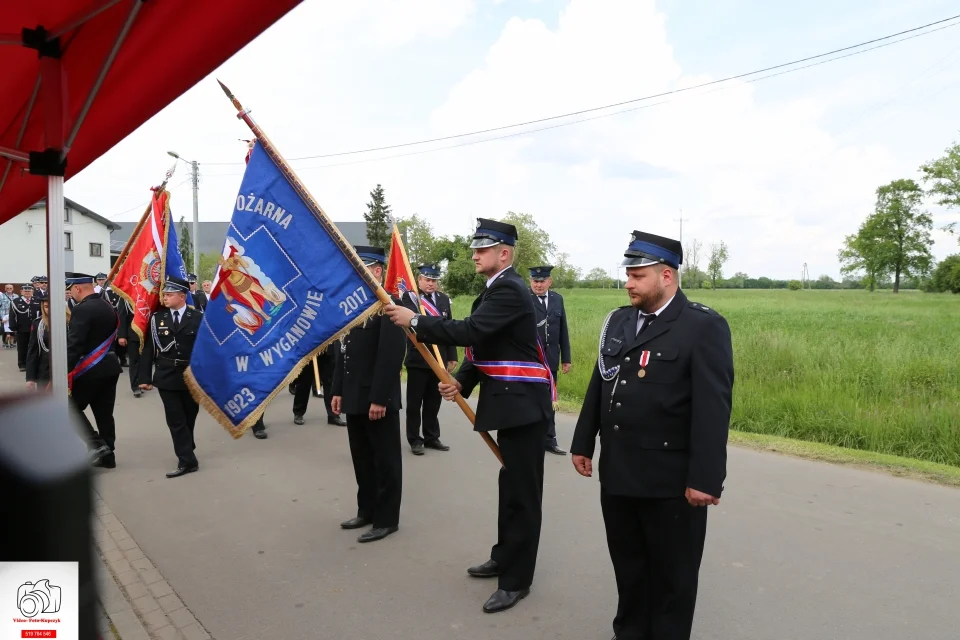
119	263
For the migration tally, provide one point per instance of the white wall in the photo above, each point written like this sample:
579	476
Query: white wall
23	246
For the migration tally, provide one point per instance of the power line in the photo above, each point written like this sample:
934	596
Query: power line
588	119
642	99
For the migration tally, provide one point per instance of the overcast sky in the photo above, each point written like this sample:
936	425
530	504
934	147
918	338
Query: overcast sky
780	169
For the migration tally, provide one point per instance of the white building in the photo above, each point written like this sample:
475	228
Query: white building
23	243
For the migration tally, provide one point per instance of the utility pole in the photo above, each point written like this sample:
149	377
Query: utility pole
195	167
680	219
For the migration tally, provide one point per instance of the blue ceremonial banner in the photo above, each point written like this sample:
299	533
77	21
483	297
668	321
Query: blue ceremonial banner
172	260
286	288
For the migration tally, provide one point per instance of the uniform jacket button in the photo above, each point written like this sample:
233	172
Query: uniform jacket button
623	382
618	405
627	359
666	443
616	427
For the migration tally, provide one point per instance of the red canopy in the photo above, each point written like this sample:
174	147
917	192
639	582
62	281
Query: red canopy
53	54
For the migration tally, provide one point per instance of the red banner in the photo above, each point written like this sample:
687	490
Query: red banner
399	278
138	277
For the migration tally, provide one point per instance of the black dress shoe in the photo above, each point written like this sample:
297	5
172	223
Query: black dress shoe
297	419
292	388
260	434
502	600
489	569
436	444
377	534
182	471
137	393
416	449
108	461
556	450
354	523
98	453
337	421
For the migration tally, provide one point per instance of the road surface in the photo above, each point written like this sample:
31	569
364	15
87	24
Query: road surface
797	550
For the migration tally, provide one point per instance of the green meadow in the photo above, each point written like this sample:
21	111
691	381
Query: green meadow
869	371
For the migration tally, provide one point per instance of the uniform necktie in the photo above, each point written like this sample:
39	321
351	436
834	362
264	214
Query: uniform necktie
176	320
543	300
646	319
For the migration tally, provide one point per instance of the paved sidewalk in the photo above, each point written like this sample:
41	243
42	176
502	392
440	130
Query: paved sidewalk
154	609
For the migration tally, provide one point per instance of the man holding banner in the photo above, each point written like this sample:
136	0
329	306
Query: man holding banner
423	395
504	357
366	387
93	365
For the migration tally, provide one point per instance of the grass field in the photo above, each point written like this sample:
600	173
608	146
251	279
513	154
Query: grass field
875	372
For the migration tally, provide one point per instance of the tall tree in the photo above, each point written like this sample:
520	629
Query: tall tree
943	177
862	253
186	246
895	239
378	219
691	264
534	247
565	275
418	240
718	257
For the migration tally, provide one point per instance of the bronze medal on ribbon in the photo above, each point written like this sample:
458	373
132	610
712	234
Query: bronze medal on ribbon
644	361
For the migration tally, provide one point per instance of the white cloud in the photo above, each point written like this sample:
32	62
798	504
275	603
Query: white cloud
772	176
766	178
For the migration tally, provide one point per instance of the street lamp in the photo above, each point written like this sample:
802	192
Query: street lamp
193	164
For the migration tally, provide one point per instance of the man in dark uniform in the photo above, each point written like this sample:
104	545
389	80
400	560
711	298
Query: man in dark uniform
552	329
199	297
422	389
93	365
23	311
305	384
173	331
41	288
501	332
107	293
129	340
366	387
660	399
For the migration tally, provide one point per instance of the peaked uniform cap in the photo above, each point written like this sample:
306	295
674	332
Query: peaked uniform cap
647	249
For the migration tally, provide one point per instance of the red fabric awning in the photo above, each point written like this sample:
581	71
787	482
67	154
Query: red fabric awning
169	46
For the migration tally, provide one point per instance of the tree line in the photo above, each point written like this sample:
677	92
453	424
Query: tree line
893	243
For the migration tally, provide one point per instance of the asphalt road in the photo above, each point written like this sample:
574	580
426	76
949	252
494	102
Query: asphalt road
797	550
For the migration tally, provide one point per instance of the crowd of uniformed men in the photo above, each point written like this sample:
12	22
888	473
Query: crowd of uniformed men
659	399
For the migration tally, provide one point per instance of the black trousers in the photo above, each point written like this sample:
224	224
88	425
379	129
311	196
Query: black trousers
133	362
422	392
23	341
656	546
181	412
100	394
551	440
519	514
306	382
377	464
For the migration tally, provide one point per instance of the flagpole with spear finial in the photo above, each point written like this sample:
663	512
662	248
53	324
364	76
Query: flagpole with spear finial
347	248
136	231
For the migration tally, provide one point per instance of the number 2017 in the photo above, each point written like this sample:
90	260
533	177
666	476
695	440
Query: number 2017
353	301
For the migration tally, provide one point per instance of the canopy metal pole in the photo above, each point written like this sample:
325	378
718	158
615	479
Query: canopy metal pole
134	10
55	287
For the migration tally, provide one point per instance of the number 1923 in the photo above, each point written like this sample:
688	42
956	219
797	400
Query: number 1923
239	402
